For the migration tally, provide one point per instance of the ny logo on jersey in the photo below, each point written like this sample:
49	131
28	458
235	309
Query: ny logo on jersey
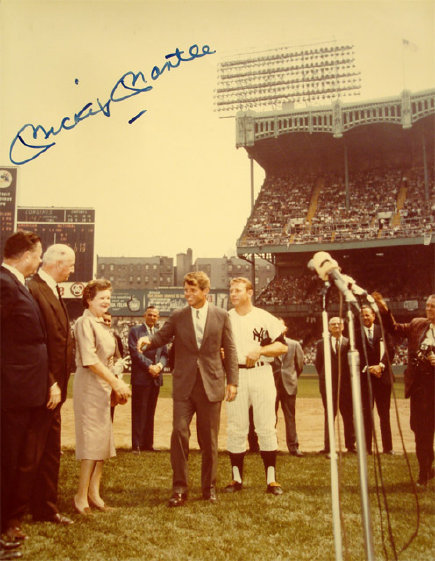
261	336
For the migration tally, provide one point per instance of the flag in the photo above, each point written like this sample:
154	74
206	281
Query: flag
409	45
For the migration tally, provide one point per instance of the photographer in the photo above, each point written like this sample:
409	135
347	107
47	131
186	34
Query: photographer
419	379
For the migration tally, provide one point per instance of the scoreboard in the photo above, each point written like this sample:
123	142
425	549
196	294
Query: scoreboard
8	189
71	226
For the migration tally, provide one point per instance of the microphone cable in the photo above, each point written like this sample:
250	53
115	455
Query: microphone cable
402	441
377	463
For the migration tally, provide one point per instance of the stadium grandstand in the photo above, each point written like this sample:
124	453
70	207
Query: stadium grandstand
355	179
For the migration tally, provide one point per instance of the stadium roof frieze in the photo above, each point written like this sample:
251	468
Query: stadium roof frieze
332	246
404	110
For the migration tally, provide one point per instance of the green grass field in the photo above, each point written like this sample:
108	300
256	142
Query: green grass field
248	526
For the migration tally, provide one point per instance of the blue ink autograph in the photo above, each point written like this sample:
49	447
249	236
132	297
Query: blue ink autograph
32	139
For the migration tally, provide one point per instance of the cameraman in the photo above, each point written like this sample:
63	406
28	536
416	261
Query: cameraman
419	379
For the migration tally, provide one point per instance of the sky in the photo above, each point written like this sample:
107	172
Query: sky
171	179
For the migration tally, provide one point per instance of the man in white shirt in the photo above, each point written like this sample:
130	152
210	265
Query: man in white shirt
340	382
24	378
146	379
419	380
202	379
259	338
57	265
374	370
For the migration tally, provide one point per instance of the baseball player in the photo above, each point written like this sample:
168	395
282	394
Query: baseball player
259	338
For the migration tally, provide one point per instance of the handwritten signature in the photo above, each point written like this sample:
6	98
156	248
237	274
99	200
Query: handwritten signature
31	141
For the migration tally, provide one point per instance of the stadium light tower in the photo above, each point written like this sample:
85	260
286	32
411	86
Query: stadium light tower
310	74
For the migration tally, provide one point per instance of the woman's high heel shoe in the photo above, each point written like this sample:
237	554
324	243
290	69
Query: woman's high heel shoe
102	508
83	511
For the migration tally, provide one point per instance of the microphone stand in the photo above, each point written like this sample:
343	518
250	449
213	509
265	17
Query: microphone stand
327	268
331	430
354	367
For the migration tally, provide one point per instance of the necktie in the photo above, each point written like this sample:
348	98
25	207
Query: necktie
370	335
337	346
62	303
199	331
59	294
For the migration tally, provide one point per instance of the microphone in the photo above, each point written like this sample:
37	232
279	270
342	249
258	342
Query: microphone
327	268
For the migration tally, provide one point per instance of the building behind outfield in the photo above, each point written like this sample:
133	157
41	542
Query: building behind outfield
355	180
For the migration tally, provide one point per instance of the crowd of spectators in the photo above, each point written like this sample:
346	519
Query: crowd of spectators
381	203
407	283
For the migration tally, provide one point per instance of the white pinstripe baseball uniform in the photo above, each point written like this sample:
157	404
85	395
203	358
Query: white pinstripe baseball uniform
256	385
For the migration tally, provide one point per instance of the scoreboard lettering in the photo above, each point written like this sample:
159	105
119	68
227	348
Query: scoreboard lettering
68	215
74	227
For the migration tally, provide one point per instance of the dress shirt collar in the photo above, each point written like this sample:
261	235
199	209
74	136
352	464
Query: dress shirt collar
16	273
335	341
49	280
202	311
430	334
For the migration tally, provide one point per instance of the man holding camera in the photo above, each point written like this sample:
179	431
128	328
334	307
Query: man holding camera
419	380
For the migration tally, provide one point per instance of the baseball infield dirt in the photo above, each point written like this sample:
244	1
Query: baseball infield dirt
309	422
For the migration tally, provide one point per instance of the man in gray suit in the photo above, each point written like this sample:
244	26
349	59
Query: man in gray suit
199	332
286	369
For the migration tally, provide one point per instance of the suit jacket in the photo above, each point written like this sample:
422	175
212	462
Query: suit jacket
290	366
60	343
375	354
141	361
207	359
24	359
415	331
319	363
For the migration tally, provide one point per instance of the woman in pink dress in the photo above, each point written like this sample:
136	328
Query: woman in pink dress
94	381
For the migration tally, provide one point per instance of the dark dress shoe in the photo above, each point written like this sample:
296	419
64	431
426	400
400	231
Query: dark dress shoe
351	450
5	554
15	534
323	451
233	487
210	496
274	488
60	519
177	499
9	545
296	453
421	485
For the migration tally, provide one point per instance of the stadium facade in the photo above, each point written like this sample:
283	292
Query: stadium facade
353	179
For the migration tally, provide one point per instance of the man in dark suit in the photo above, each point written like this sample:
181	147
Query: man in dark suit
376	370
57	265
286	369
200	331
342	399
24	379
419	380
146	379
